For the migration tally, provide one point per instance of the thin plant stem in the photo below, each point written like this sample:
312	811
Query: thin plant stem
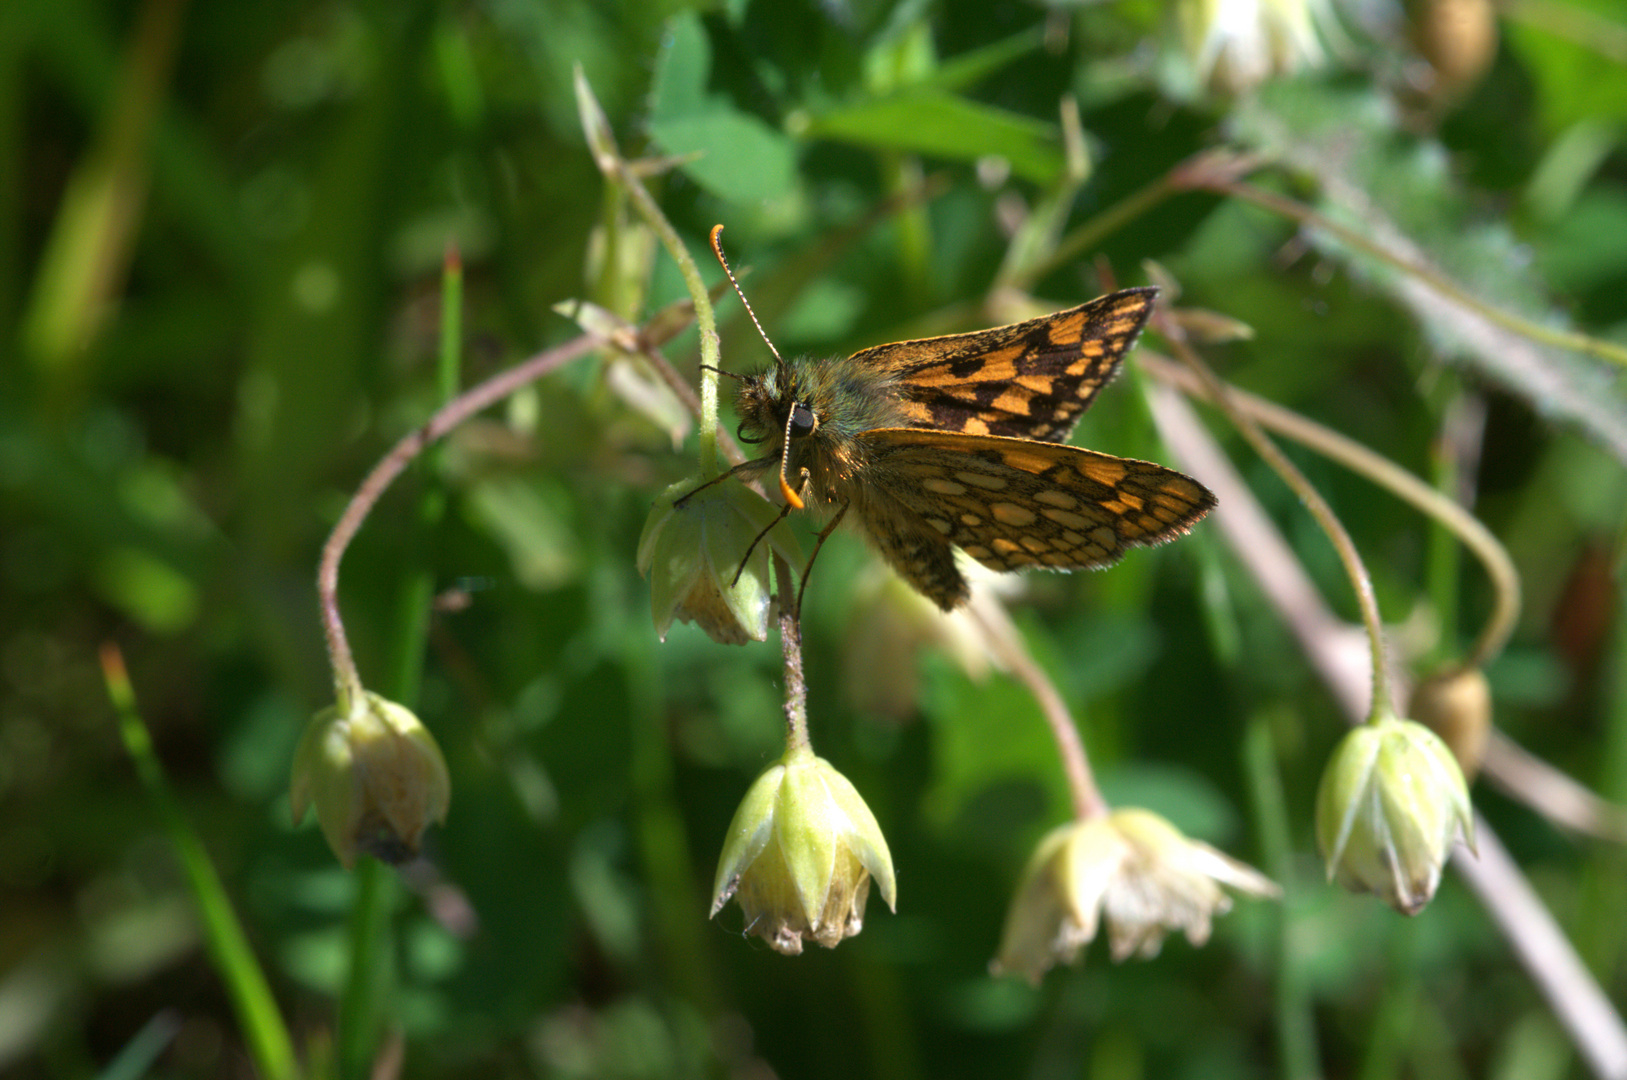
1198	179
602	142
1091	232
347	683
686	394
1505	579
796	685
1382	703
1295	1018
1006	642
368	981
263	1027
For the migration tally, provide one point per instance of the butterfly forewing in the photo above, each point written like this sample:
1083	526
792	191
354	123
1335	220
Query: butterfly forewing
1012	503
1028	380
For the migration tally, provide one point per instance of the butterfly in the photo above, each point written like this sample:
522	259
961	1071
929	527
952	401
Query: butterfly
959	442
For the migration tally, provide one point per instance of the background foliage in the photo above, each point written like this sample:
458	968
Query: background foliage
221	233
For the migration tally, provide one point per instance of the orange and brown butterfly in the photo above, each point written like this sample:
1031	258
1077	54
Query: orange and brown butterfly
959	442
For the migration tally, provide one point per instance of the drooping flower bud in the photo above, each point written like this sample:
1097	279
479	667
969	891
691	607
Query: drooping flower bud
1132	868
375	776
800	855
693	552
1456	705
1391	802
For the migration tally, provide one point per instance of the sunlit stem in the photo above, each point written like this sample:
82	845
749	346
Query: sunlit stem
796	686
1006	642
1326	519
615	168
1358	458
347	683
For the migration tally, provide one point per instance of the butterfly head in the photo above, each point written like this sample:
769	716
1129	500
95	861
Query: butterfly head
775	407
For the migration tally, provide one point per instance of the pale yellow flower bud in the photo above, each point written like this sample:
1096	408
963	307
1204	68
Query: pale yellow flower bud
800	855
375	776
1456	705
1132	868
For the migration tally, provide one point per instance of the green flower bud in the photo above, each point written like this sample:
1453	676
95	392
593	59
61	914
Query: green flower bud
800	855
1132	867
375	776
692	553
1391	802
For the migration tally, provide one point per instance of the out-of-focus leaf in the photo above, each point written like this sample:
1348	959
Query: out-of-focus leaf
741	158
984	734
525	518
1575	80
1402	196
941	125
738	156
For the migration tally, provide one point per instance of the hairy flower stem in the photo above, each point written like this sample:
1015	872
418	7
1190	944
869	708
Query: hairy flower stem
1382	703
602	142
796	685
347	683
1006	642
1358	458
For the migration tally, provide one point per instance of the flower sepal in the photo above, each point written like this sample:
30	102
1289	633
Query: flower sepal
1133	869
801	853
1390	804
705	550
374	775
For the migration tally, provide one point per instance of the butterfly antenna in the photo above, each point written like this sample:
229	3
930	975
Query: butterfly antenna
792	499
717	249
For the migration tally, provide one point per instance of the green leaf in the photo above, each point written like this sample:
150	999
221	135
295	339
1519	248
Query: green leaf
742	159
938	124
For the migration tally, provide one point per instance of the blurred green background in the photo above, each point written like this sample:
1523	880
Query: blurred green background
222	227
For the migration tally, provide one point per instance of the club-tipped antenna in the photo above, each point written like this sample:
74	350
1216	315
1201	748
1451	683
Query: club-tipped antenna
717	249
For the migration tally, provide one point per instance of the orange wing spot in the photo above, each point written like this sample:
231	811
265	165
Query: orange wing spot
982	480
976	551
1060	499
1124	504
1104	537
1014	399
1003	546
1067	519
1012	514
1035	544
1022	459
1107	471
1068	331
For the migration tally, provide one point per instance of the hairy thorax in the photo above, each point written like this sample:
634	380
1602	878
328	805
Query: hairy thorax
843	398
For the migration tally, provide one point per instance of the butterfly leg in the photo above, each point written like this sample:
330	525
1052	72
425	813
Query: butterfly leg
819	542
754	465
784	510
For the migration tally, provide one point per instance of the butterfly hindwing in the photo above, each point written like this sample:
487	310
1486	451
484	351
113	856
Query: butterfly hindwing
1029	380
1012	503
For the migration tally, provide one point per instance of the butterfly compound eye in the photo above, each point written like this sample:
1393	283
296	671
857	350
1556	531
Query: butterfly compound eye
801	421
